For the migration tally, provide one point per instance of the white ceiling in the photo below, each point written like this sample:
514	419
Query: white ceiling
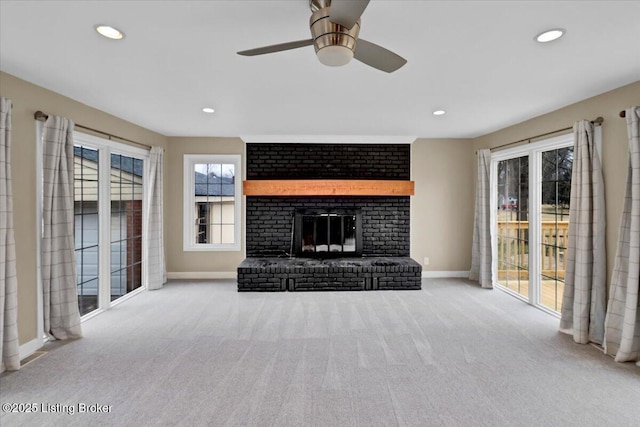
475	59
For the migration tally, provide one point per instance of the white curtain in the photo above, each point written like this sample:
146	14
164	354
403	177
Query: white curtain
61	314
622	326
481	255
9	346
584	298
156	268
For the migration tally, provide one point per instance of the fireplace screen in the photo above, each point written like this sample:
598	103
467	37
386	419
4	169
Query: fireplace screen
328	233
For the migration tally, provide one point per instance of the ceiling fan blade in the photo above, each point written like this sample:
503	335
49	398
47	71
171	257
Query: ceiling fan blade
378	57
276	48
347	12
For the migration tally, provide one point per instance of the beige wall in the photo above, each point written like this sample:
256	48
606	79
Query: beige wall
442	207
179	261
614	146
27	99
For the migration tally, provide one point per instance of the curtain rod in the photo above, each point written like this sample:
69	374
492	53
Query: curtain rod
40	116
598	121
623	114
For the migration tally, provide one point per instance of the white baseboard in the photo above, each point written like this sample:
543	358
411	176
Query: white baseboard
27	349
445	274
198	275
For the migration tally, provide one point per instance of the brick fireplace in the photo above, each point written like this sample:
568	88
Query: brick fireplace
327	242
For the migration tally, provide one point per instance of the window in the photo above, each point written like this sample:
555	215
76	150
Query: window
531	187
211	203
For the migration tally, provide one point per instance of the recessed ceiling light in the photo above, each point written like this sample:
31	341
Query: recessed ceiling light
109	32
208	110
550	35
439	113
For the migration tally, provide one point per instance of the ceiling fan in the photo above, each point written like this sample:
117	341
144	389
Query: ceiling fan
335	25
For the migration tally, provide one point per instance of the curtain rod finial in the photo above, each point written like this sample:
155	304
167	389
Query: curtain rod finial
39	115
623	113
598	120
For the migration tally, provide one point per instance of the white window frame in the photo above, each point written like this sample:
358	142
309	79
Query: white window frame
106	147
534	151
188	215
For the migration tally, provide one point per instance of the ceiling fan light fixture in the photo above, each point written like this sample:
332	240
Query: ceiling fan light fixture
550	35
335	56
109	32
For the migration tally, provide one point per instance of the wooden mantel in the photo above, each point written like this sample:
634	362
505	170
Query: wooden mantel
327	187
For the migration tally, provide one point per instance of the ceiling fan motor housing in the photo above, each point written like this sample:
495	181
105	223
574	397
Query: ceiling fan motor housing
338	42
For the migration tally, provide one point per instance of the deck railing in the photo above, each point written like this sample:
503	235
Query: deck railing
513	248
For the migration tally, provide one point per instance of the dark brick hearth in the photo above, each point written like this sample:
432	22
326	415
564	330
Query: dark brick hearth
385	220
339	274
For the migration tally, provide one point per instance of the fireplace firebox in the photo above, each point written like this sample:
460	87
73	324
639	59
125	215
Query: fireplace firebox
328	233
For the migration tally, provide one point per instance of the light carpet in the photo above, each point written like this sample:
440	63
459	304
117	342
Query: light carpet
200	353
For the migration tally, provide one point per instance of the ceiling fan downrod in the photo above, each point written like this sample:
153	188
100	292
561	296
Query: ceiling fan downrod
316	5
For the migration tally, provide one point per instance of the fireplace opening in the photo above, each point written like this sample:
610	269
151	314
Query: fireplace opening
328	233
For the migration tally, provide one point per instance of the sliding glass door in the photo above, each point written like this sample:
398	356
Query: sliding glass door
531	188
109	193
